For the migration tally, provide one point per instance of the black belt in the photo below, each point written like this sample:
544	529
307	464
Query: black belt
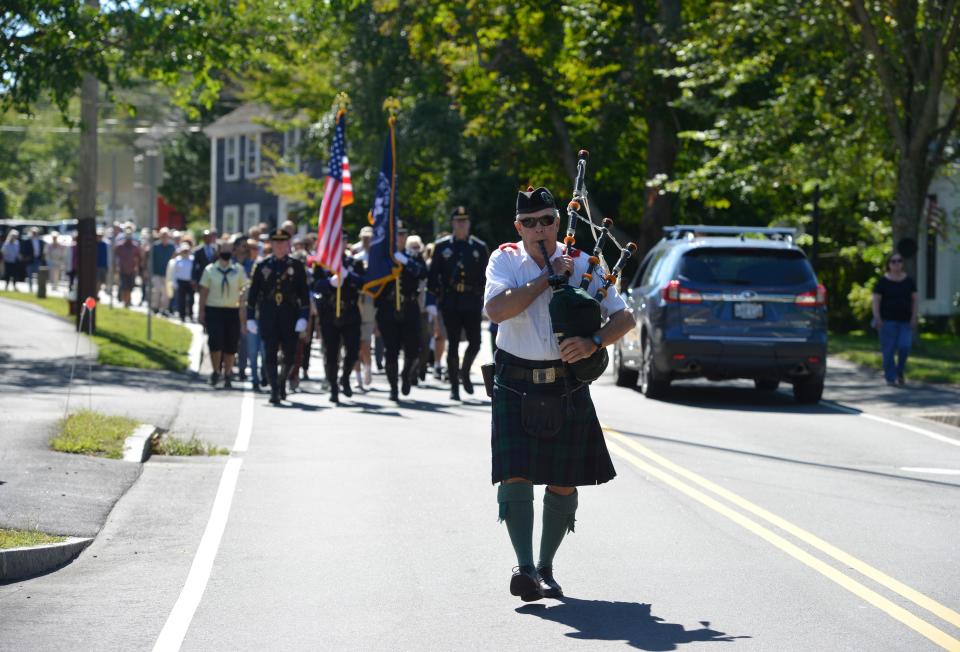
542	376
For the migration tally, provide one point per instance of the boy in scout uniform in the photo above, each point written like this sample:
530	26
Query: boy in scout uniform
221	287
278	305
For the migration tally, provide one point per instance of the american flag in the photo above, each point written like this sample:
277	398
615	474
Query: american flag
337	193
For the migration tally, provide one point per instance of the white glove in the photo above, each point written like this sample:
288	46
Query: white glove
252	326
432	311
301	325
400	257
335	281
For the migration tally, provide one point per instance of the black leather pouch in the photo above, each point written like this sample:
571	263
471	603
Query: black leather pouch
541	415
487	371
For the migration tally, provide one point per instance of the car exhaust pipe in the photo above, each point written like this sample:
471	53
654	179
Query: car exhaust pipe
693	367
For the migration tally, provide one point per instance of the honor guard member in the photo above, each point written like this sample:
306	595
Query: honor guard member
339	328
545	428
278	305
456	279
399	321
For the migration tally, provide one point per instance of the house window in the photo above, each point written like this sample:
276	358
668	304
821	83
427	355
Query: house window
231	158
252	156
291	148
231	218
251	216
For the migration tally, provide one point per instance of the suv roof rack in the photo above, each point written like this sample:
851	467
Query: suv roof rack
691	231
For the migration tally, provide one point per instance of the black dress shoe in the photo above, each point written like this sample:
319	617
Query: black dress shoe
345	386
256	386
334	398
551	589
227	384
526	583
274	397
405	385
465	380
394	396
454	393
214	379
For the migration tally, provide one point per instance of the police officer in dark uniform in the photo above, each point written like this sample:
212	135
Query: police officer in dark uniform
339	327
399	321
278	306
457	280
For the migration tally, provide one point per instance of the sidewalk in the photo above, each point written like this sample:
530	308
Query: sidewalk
864	389
53	492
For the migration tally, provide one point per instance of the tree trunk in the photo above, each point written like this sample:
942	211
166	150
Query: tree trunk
662	145
662	141
908	206
87	200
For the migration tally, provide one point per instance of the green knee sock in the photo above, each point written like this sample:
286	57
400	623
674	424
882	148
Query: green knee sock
516	508
558	519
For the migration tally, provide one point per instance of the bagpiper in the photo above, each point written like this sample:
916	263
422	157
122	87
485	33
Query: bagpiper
544	427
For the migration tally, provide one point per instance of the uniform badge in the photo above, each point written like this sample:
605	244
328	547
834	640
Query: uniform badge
447	252
289	271
476	255
265	271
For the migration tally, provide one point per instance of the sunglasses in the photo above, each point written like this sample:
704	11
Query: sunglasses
532	222
896	260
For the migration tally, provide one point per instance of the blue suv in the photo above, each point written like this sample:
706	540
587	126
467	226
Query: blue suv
725	302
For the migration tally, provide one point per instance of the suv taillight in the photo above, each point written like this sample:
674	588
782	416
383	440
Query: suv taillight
674	292
812	298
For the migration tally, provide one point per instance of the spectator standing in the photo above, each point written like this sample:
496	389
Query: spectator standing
56	257
129	261
183	280
895	316
163	251
33	255
221	289
367	312
11	260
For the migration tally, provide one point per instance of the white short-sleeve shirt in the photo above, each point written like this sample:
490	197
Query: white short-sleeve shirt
529	335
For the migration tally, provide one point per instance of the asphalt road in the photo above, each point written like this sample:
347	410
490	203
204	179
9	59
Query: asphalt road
736	518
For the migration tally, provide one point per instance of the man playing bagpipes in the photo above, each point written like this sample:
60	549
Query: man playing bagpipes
545	428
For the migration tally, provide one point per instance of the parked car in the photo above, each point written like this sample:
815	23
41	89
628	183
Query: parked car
722	303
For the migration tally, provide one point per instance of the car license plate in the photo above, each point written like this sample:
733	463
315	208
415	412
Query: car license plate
744	310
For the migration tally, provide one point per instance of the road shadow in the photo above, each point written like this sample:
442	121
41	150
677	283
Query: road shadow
739	399
52	376
631	622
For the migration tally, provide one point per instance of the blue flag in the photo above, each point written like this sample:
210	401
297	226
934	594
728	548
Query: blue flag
381	267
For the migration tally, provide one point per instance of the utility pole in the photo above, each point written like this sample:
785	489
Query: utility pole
87	197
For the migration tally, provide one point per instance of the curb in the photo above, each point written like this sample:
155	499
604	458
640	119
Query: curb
23	563
136	447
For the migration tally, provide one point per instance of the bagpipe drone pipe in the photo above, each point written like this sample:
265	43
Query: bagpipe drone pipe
573	311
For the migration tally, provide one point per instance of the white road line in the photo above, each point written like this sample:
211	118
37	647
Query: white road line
891	422
246	423
174	630
915	469
919	431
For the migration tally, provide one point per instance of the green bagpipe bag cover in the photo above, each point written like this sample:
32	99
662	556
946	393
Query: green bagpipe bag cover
574	313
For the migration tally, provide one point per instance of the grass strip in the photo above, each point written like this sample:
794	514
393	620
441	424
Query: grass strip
92	433
121	335
25	538
934	358
167	445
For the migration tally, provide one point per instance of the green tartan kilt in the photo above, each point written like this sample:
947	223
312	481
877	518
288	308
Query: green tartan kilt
576	456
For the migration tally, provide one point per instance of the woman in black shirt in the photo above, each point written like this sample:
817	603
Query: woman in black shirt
895	317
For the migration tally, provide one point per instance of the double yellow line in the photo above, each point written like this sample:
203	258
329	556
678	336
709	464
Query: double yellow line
646	460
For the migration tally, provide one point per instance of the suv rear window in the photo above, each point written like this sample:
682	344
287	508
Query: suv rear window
736	266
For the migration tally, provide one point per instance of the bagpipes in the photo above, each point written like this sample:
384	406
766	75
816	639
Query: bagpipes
573	311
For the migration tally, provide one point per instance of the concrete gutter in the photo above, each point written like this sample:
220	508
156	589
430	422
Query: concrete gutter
22	563
136	448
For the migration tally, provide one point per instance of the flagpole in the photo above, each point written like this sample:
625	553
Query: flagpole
392	105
